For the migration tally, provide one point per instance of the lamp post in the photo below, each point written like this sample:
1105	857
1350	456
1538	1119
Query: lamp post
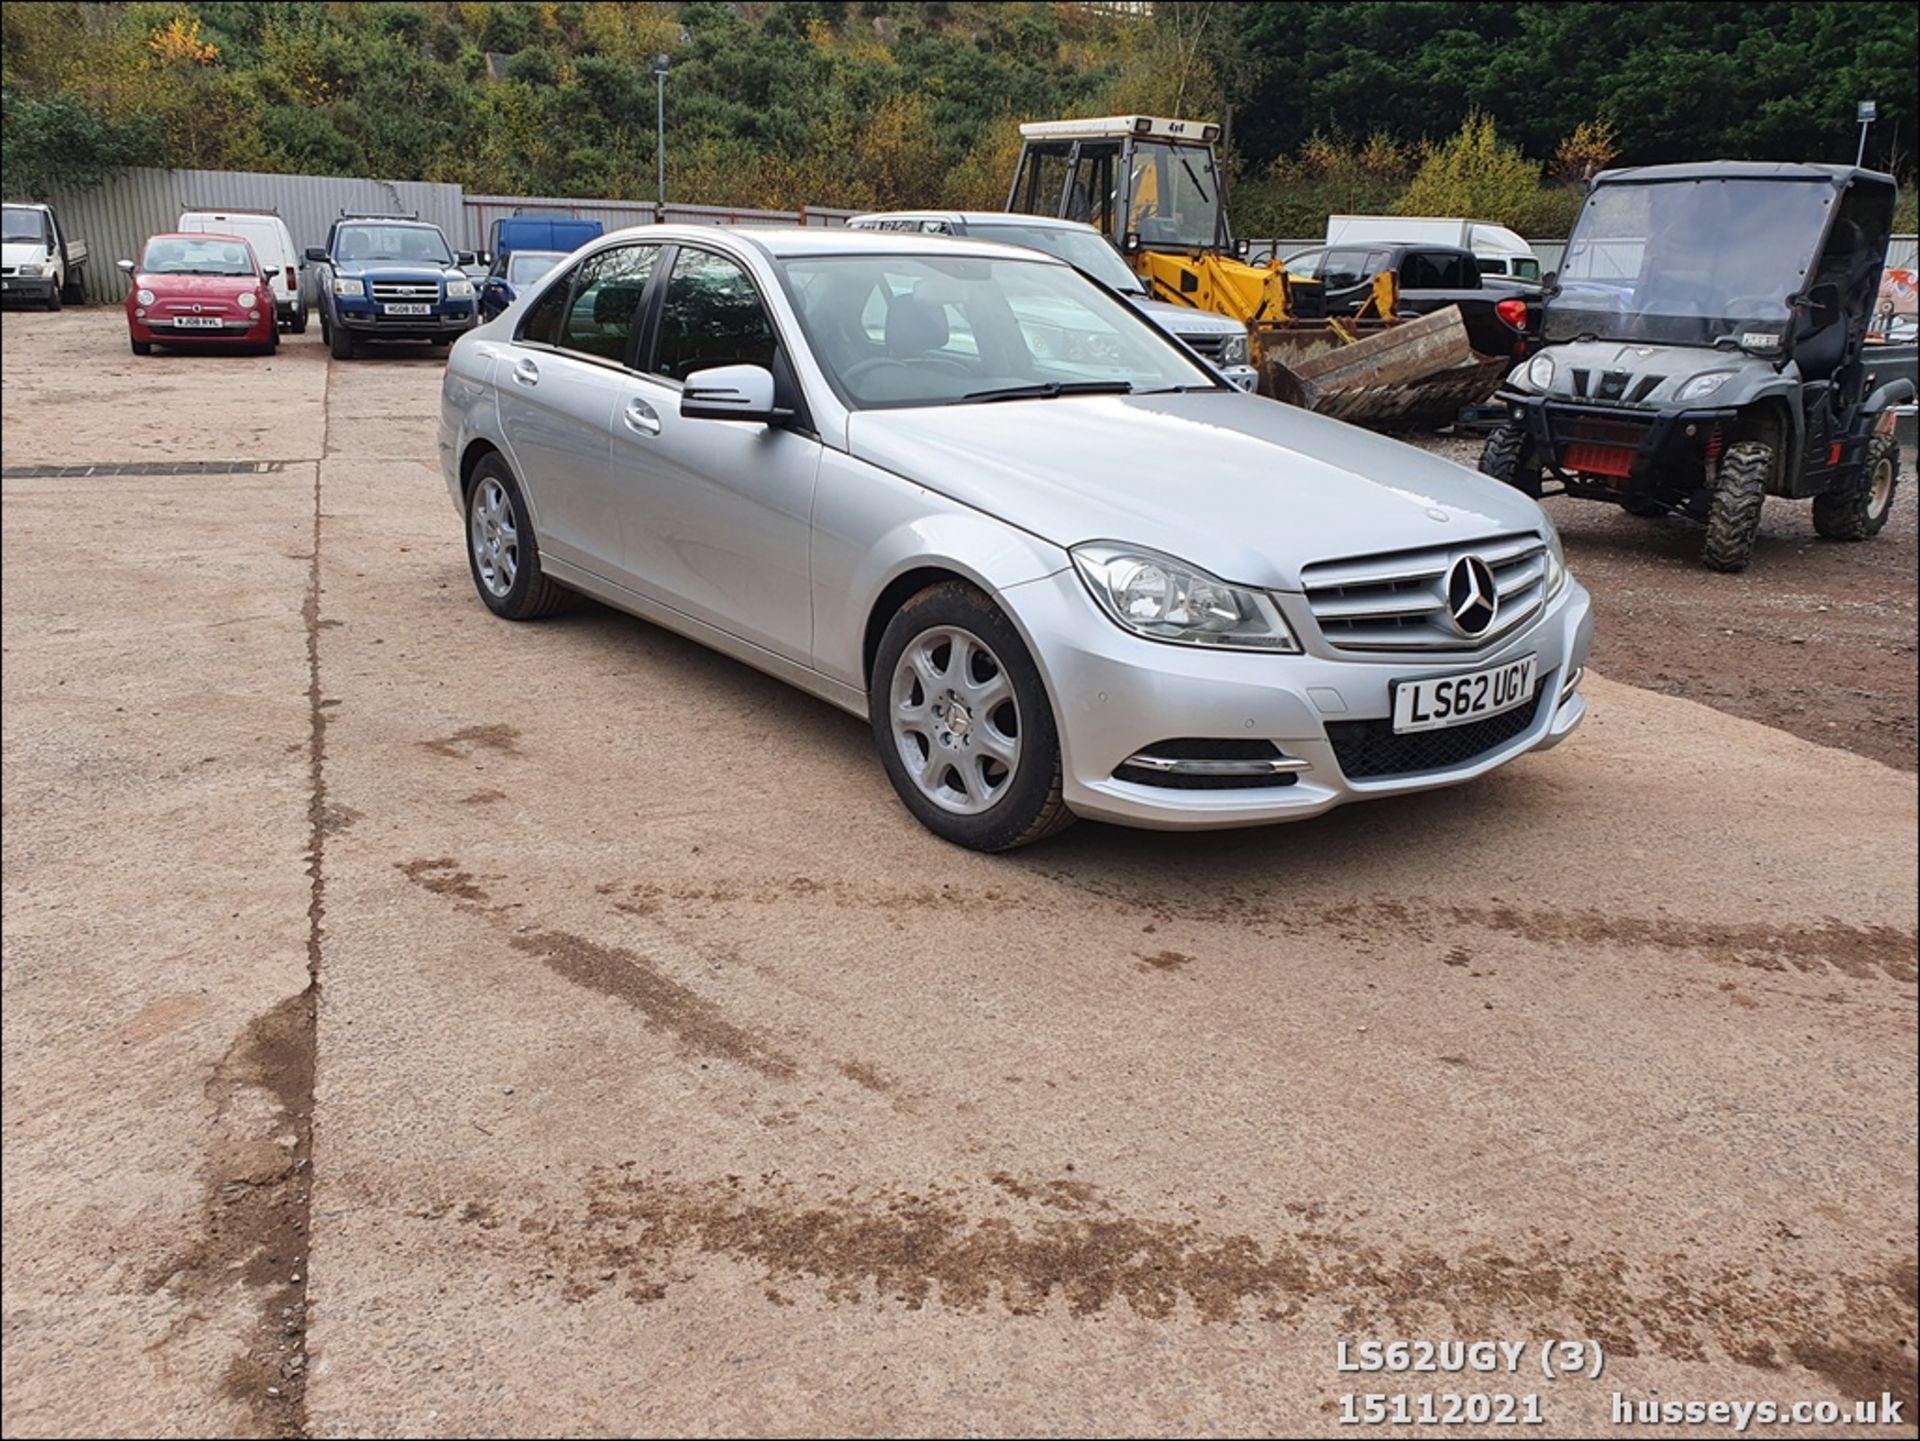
660	128
1865	115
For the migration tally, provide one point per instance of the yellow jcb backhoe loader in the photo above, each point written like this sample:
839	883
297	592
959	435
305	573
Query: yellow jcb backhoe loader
1152	186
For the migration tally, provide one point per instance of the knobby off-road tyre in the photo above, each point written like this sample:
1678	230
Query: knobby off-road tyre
1733	517
943	722
502	554
1861	513
1507	457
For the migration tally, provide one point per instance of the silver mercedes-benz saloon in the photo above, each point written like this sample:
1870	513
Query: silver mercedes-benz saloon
1062	567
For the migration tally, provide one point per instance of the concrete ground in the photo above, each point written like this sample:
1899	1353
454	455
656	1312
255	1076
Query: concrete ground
420	1025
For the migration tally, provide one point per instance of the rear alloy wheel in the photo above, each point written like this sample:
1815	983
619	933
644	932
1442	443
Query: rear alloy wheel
501	550
1508	457
963	723
1860	513
1733	516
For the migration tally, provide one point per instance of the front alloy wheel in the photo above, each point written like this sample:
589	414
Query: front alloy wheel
963	723
955	720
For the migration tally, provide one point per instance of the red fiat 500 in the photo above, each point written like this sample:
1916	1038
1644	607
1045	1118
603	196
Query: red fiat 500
193	289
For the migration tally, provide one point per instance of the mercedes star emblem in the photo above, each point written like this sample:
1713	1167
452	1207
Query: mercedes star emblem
1471	597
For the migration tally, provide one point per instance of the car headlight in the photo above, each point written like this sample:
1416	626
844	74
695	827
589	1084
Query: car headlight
31	269
1161	598
1556	558
144	297
1540	372
346	285
245	299
459	290
1234	351
1702	386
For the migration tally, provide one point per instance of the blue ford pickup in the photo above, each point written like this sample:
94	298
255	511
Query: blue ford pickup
391	277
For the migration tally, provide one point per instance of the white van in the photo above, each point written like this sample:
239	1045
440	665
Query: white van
267	233
1496	249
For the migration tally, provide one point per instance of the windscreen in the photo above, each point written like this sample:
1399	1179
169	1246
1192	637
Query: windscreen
197	255
24	225
1082	249
904	330
1686	262
391	242
1175	194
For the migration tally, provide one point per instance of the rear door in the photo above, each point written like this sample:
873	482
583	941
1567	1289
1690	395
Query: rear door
718	511
558	381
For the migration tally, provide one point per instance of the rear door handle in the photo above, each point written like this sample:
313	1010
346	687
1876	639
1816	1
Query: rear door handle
642	417
526	372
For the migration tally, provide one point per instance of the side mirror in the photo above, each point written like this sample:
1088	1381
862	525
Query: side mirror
317	254
731	392
465	257
1242	247
126	265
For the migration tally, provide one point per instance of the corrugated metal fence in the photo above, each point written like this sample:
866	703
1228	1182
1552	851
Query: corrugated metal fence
116	218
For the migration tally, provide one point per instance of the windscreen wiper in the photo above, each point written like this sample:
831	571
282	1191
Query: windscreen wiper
1047	390
1205	199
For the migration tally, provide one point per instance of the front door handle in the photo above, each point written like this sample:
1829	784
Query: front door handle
642	417
526	372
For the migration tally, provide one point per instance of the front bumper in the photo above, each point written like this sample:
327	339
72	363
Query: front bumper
1634	447
159	331
449	320
1116	695
26	287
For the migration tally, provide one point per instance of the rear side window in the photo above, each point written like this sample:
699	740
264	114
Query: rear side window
607	300
542	324
711	316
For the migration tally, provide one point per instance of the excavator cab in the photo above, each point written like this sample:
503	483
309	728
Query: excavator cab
1145	183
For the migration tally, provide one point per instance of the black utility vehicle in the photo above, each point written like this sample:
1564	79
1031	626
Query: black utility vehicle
1702	350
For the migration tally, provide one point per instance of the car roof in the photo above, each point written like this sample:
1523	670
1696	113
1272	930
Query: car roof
787	241
197	235
1835	175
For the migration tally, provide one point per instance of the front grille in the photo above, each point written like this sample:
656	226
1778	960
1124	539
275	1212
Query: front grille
1368	749
1210	345
405	291
1398	601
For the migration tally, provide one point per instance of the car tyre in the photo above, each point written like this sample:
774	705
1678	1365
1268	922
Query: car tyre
965	730
141	347
1733	515
1860	512
1508	457
341	344
502	553
299	325
53	296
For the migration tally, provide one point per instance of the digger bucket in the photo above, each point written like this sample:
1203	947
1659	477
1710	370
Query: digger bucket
1400	377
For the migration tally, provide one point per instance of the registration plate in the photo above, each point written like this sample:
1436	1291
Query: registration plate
1451	700
407	309
198	322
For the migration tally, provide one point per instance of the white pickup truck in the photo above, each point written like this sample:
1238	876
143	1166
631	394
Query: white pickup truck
38	259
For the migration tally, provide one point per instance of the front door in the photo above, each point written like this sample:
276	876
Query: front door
717	510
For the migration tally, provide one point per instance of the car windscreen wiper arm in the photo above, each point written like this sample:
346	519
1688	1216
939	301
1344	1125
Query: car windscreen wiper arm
1047	390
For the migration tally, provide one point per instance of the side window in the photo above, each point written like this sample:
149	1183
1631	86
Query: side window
1422	270
711	316
542	323
600	320
1301	267
1344	269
